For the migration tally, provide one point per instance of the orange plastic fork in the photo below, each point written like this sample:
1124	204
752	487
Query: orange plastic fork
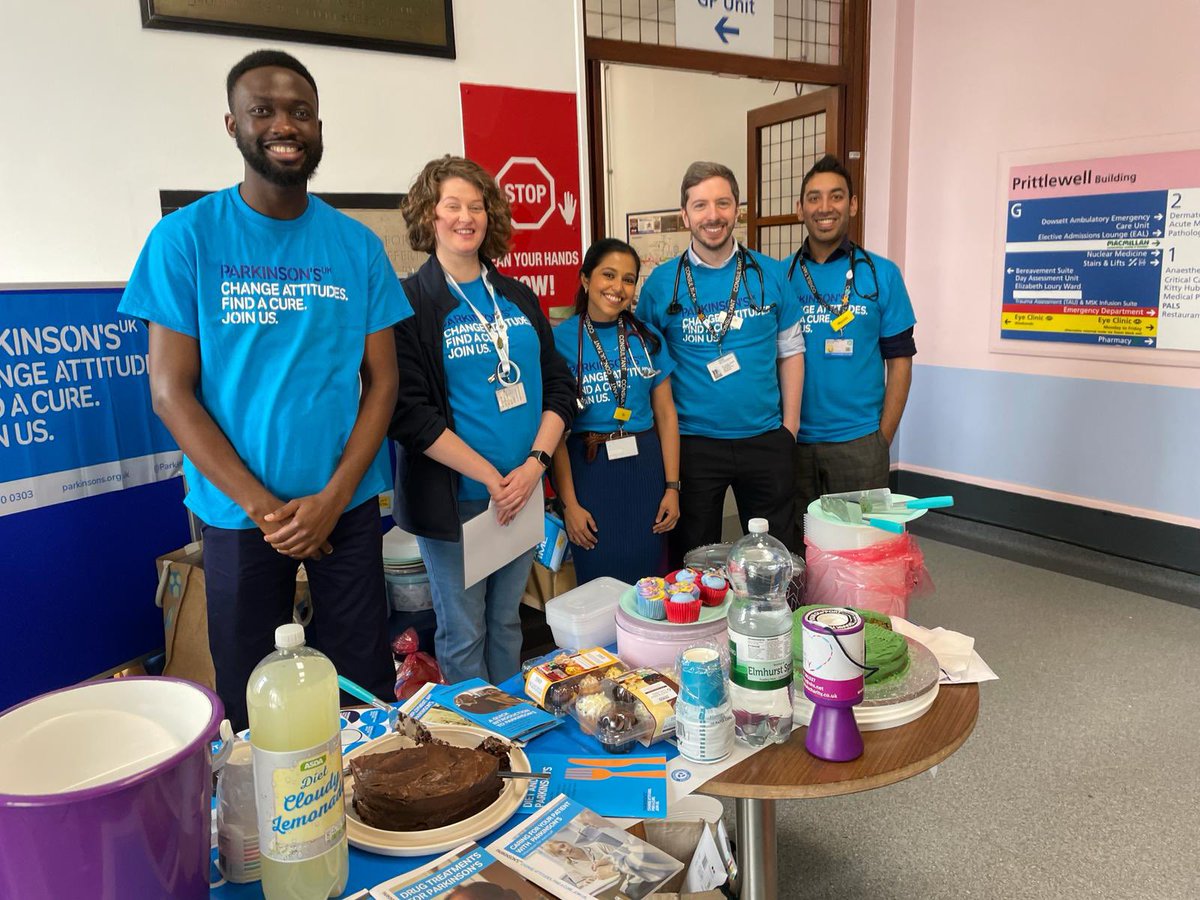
610	763
601	774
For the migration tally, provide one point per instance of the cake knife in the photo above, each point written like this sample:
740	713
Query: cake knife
357	690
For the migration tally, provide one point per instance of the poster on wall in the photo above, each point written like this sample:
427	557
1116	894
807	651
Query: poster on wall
659	234
1104	252
529	141
75	414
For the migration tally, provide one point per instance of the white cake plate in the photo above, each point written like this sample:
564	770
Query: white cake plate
435	840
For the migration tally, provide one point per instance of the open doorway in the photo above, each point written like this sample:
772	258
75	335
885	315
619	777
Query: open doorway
655	106
768	132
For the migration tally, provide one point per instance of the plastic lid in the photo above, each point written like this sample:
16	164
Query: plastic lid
590	604
290	635
757	526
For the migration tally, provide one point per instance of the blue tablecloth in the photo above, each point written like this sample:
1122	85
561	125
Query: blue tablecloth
369	869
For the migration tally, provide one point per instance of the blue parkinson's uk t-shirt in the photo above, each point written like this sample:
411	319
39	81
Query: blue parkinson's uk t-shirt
745	403
843	371
281	309
644	372
502	438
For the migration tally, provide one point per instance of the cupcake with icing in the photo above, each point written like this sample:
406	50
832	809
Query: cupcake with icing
683	576
651	606
649	586
683	587
713	588
683	604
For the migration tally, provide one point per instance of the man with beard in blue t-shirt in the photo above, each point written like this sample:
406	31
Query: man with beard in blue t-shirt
272	364
858	326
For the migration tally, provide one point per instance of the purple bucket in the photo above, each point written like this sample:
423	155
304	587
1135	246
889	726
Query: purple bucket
105	791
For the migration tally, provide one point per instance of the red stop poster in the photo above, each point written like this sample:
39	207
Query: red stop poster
530	142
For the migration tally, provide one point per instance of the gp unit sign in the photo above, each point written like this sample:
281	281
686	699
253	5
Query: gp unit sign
530	191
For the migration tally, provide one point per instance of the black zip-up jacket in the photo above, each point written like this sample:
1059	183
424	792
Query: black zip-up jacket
427	491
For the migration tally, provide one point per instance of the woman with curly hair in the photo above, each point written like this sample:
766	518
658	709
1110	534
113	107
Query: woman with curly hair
484	399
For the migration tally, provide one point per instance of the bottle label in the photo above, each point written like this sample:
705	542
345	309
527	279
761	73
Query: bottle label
760	663
301	812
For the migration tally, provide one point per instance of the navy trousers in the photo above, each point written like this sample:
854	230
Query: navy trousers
251	588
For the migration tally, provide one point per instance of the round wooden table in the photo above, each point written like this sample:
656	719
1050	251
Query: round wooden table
789	772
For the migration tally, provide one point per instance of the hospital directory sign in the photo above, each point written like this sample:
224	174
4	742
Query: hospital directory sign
1105	252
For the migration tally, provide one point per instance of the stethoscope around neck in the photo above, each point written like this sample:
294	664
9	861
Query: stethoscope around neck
748	262
648	371
857	255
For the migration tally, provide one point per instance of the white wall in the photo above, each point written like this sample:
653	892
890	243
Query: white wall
102	114
655	132
954	85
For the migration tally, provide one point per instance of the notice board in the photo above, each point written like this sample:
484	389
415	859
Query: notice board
1100	256
659	234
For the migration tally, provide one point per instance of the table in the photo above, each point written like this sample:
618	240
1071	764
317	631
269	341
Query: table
788	771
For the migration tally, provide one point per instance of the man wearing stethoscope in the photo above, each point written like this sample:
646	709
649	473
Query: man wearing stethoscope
858	325
733	327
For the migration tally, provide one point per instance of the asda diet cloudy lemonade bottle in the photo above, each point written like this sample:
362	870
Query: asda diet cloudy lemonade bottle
292	700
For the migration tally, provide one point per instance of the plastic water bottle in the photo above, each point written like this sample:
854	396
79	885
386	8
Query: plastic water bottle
760	637
292	700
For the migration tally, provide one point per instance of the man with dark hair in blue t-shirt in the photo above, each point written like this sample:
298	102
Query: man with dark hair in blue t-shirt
858	327
732	325
272	364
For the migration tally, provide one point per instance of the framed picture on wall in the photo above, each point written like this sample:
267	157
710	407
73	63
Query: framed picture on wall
423	27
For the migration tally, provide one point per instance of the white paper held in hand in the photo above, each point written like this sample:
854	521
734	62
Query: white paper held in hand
488	545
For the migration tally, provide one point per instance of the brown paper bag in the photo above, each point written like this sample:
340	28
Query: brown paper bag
185	615
545	585
184	603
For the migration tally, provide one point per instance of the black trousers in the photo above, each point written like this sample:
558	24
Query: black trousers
251	589
760	470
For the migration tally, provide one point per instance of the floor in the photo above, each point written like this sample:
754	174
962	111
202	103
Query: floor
1080	779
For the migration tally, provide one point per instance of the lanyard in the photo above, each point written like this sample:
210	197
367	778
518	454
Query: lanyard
808	279
496	330
619	388
733	297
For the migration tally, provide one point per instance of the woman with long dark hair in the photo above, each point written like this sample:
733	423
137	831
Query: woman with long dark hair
483	401
617	474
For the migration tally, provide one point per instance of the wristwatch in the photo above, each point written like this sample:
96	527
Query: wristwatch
541	456
674	485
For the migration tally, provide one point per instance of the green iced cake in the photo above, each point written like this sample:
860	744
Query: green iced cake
887	651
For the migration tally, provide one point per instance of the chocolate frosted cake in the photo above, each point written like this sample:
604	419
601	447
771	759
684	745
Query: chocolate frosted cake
428	786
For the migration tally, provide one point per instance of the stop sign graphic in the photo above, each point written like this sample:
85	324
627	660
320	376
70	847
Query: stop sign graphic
530	191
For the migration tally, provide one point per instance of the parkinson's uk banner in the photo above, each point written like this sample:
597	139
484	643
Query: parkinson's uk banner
75	413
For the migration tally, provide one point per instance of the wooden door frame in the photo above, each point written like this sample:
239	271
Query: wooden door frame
793	108
850	75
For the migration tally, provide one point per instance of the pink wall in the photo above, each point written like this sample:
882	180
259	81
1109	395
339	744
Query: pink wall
956	83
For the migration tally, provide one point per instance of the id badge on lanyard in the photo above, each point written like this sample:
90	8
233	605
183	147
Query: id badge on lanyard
620	448
724	366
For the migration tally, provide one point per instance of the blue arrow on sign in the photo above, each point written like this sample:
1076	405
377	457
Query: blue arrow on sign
724	28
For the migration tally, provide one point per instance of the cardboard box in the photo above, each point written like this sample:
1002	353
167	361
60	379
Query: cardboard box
181	594
545	585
